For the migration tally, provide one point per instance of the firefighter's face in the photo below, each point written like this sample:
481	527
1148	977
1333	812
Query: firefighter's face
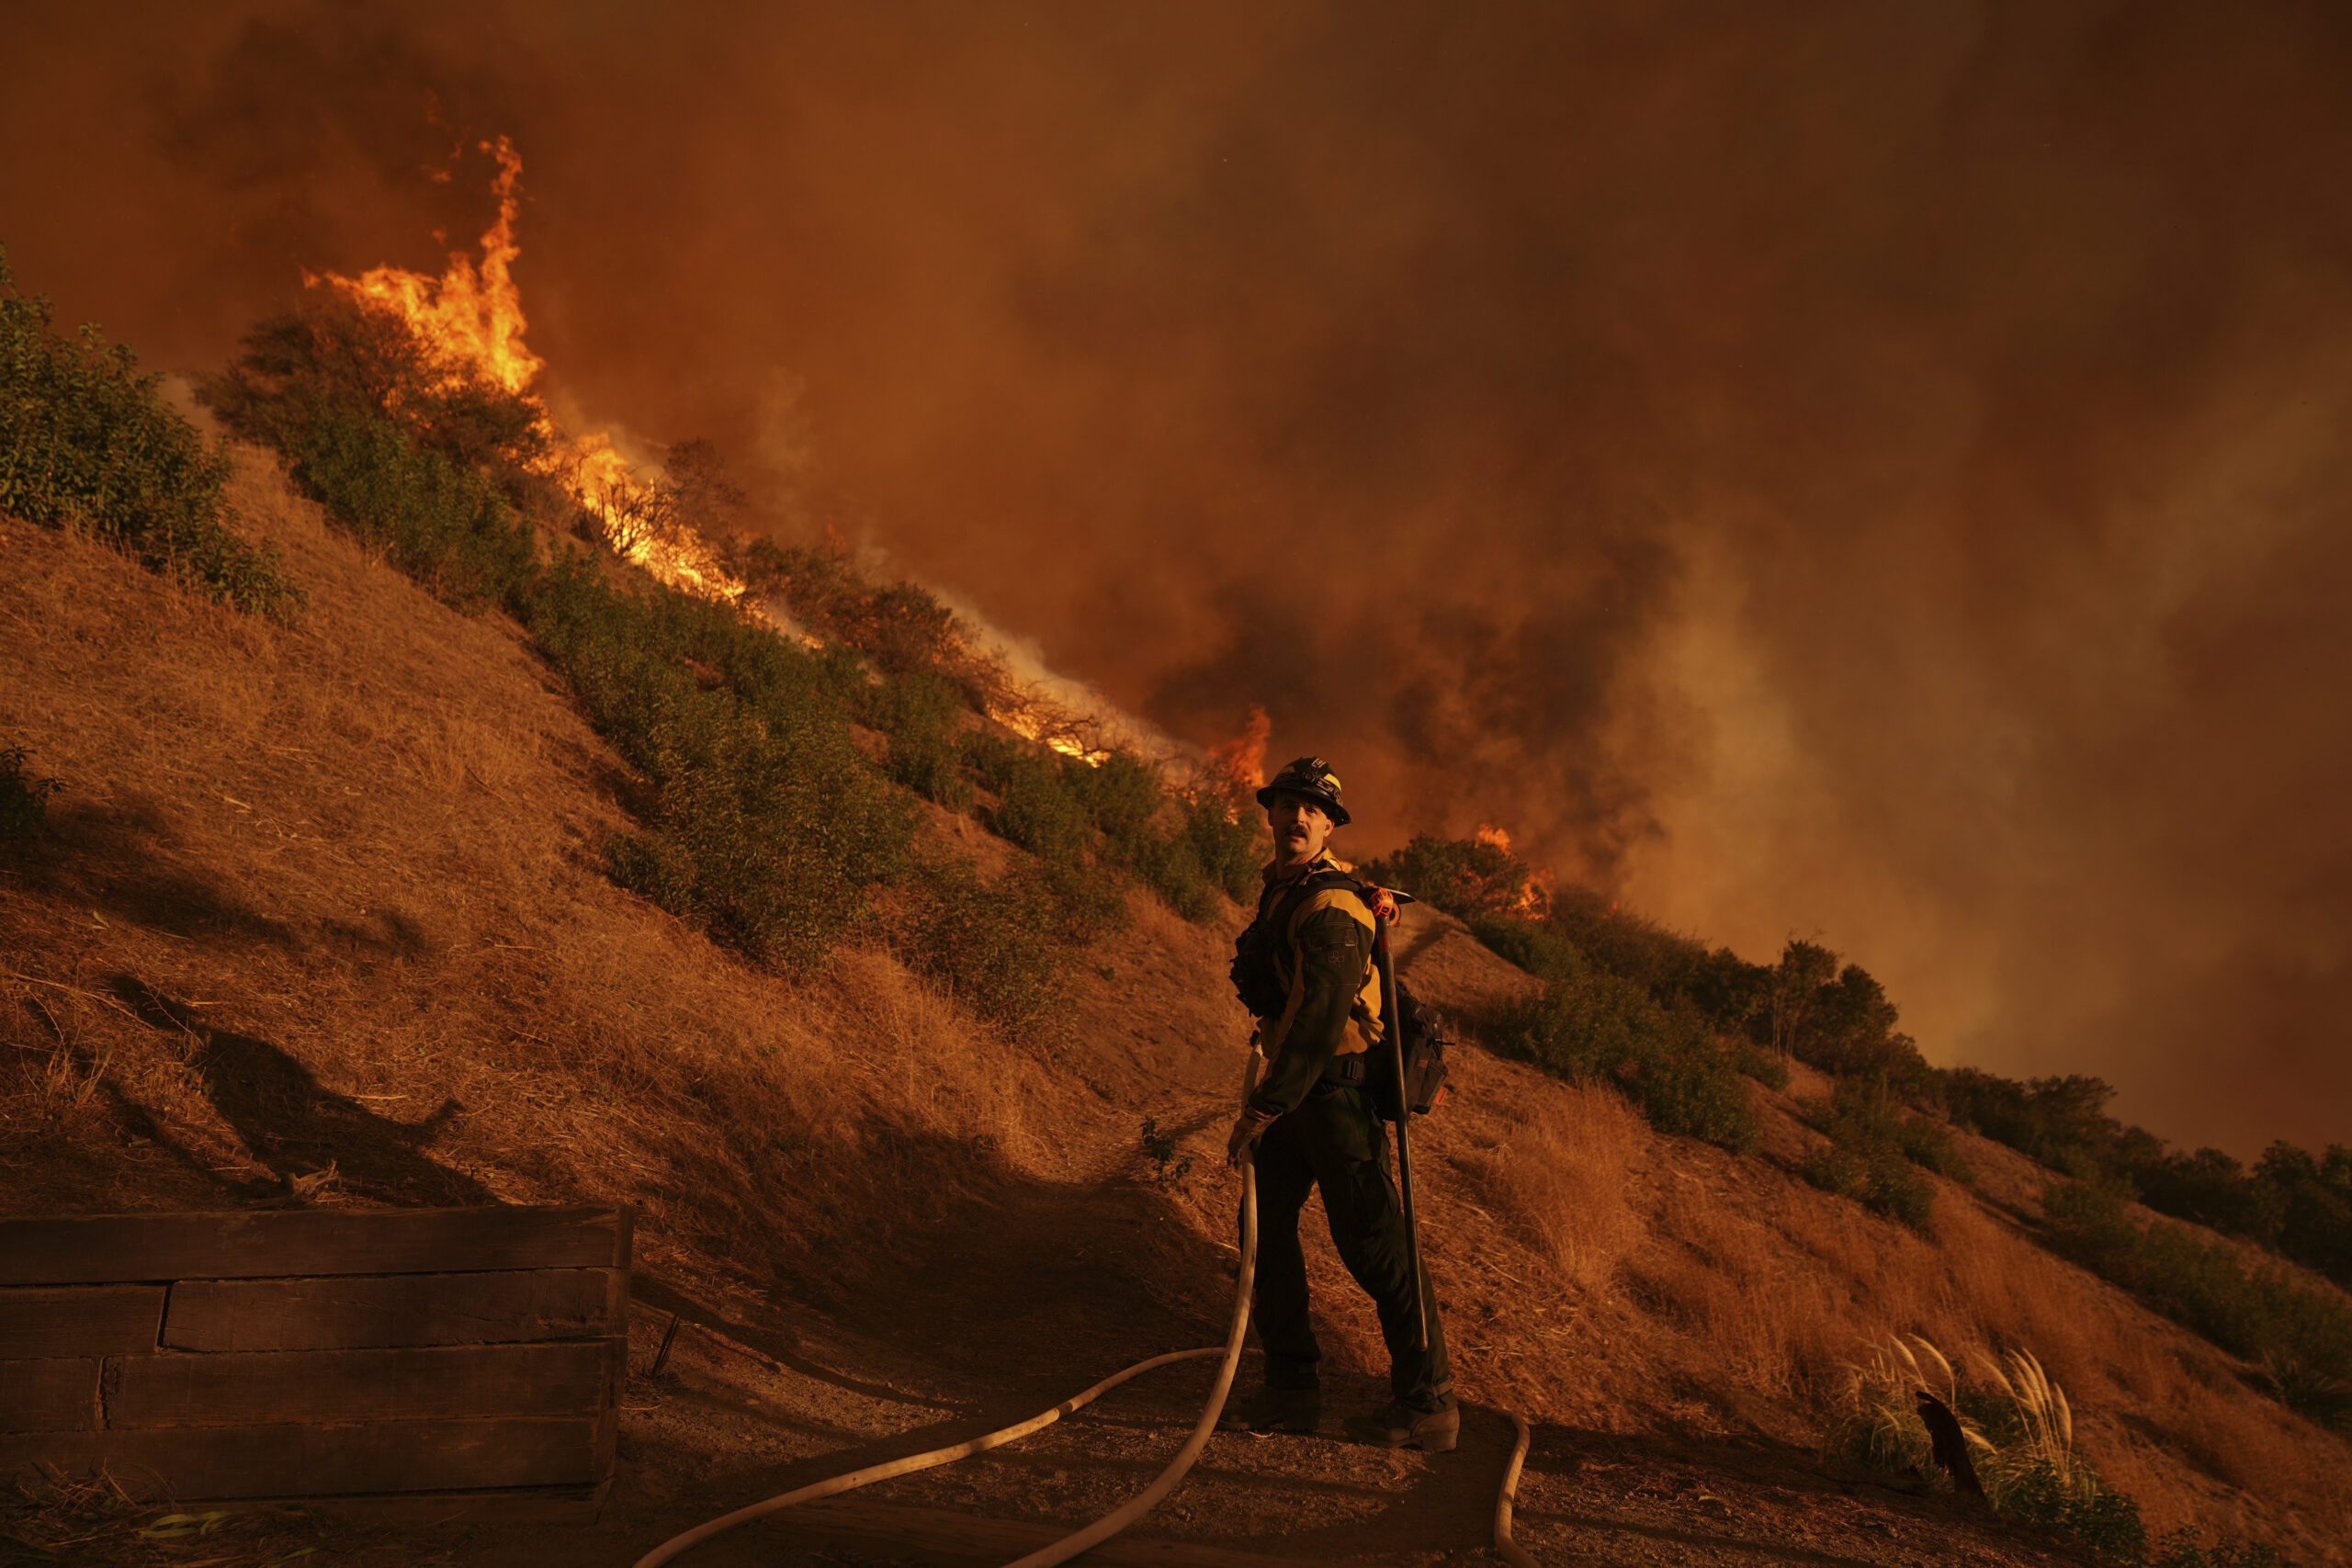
1301	828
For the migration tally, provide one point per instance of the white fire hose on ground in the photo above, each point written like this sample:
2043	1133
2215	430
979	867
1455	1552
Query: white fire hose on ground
1143	1502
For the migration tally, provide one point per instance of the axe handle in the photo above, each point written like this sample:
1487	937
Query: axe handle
1384	961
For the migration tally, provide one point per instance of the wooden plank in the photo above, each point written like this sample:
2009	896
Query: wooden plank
282	1460
945	1536
93	1320
116	1248
408	1383
358	1312
50	1395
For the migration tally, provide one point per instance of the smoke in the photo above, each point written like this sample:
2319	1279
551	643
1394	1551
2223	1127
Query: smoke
1875	475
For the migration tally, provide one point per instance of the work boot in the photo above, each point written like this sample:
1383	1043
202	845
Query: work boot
1274	1410
1401	1426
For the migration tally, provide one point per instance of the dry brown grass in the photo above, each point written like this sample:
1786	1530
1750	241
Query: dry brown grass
1555	1169
347	876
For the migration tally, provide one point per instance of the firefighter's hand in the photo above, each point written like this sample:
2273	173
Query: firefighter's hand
1247	1131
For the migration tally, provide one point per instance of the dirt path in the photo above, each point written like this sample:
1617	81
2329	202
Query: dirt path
1021	1300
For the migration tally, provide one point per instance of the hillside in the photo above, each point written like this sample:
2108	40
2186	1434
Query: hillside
323	918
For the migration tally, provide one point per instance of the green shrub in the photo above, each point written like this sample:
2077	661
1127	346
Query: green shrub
88	444
1037	807
1171	868
24	798
1122	797
1466	877
443	525
899	627
2302	1332
1231	846
1759	1063
760	819
2183	1549
1588	1024
1543	950
335	356
1184	849
1871	1151
923	714
994	946
2078	1506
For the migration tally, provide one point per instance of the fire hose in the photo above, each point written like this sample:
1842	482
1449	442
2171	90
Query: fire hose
1143	1502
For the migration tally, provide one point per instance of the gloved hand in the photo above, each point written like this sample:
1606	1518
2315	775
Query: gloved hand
1247	1131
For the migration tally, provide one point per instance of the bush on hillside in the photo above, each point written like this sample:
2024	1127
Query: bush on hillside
88	444
1230	845
898	627
1588	1024
1874	1150
23	796
440	521
996	947
1036	805
1468	879
336	357
922	715
2302	1332
760	821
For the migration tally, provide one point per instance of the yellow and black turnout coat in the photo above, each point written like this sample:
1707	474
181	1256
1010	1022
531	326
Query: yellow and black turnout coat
1319	932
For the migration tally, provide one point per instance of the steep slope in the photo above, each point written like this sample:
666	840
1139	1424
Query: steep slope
322	920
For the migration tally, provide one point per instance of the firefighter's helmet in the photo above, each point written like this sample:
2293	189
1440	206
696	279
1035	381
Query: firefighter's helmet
1309	778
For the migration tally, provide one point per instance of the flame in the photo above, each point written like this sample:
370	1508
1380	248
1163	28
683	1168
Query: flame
1036	717
1242	760
470	318
1536	885
469	323
1535	895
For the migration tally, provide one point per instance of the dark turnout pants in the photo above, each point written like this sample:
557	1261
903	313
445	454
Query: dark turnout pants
1334	1141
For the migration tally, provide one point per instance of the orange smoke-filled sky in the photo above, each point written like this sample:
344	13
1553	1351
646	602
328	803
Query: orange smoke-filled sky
1874	472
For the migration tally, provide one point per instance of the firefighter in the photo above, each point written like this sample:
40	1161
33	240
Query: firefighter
1304	969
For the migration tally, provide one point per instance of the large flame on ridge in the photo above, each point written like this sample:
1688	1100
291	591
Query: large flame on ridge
469	322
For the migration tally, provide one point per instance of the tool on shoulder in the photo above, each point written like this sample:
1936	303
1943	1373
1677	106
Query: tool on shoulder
1400	1100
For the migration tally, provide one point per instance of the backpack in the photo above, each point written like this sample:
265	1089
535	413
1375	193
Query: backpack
1257	980
1425	1044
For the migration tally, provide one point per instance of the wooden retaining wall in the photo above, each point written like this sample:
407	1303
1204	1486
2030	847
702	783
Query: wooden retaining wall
458	1363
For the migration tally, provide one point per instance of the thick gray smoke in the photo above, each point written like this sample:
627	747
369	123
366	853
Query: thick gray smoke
1876	473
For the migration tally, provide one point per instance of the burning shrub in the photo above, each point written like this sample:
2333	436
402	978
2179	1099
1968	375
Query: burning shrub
88	443
337	357
441	523
1466	877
